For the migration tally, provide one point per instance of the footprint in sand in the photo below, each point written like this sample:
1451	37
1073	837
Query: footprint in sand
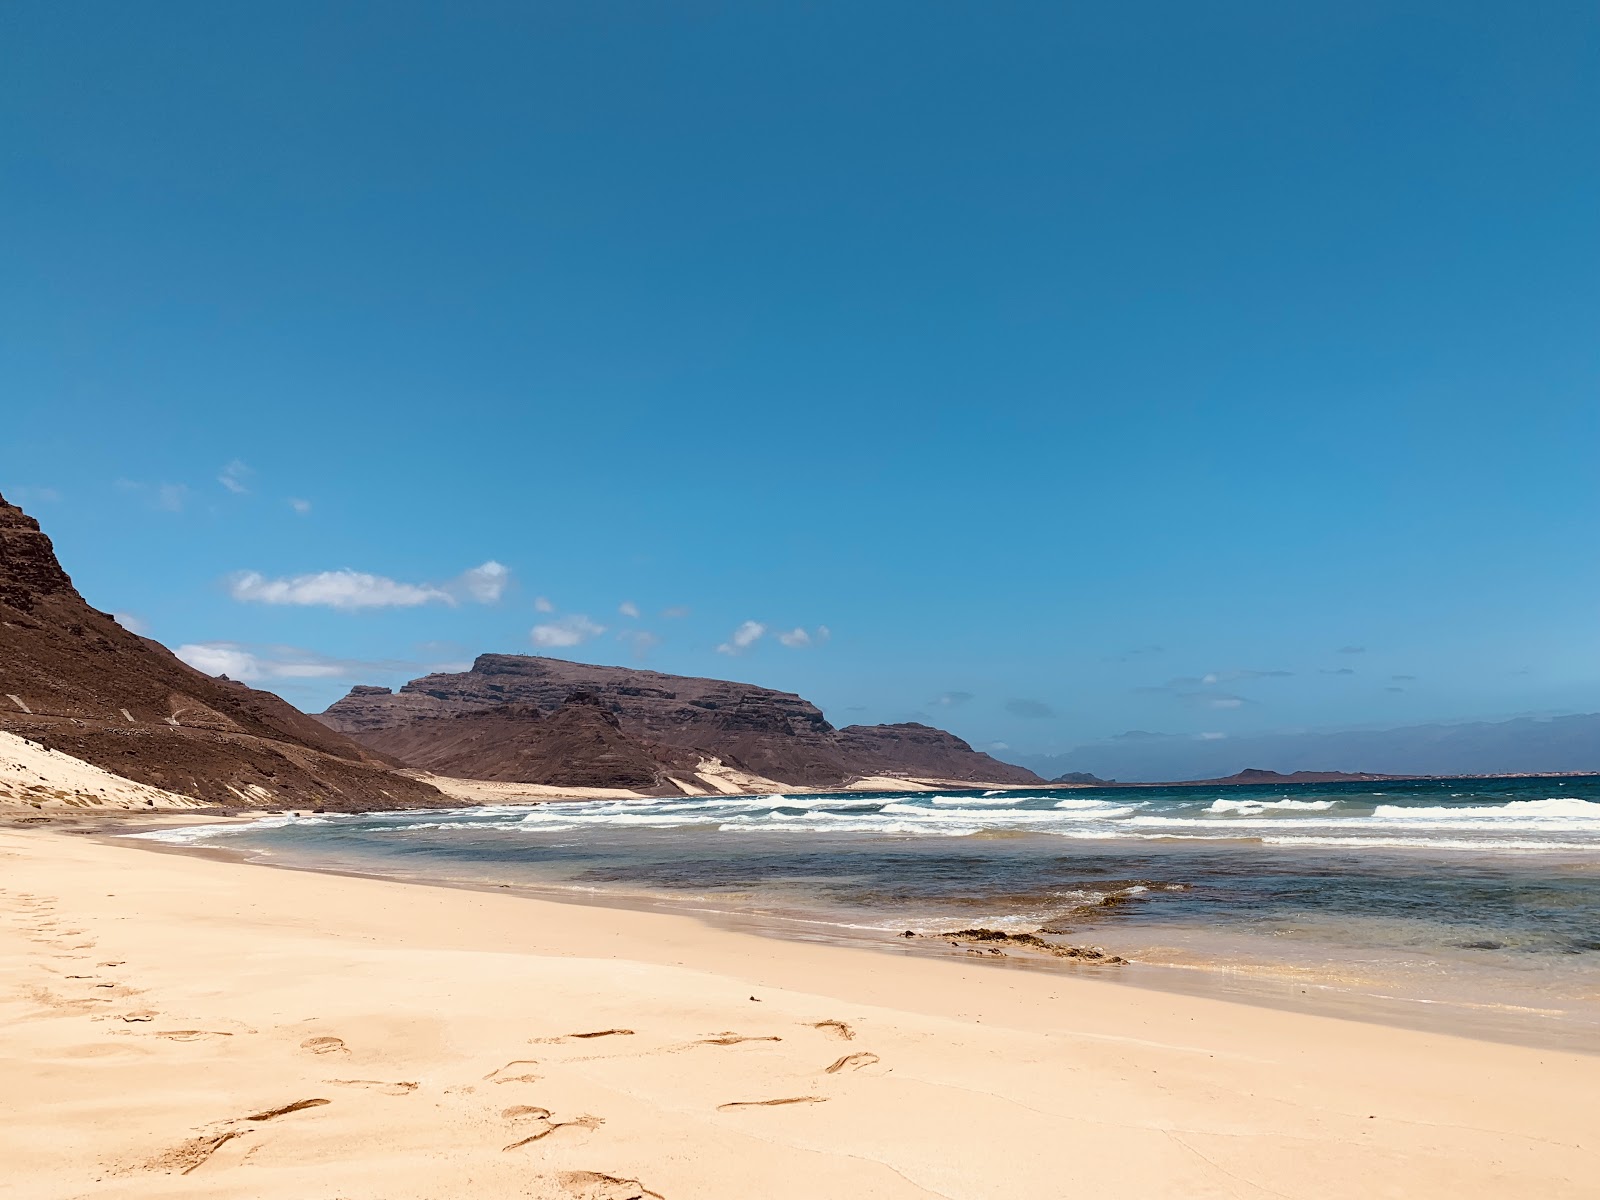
188	1035
593	1185
733	1039
733	1104
852	1062
598	1033
542	1123
838	1028
325	1045
398	1088
518	1070
194	1153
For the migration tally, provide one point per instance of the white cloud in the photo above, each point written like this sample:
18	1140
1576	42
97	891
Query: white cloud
255	663
351	590
676	613
344	589
302	507
487	583
221	658
236	477
543	604
798	638
743	638
568	631
130	622
629	609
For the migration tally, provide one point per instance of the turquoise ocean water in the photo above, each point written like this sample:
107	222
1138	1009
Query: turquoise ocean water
1479	895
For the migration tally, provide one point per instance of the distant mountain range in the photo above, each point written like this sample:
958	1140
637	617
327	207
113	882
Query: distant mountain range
1525	745
73	680
528	719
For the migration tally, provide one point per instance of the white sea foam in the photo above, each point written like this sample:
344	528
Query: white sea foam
1251	807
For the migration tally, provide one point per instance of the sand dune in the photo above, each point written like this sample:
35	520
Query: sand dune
184	1026
35	776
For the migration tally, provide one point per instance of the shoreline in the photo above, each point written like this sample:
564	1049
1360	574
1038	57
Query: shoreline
294	1032
1219	979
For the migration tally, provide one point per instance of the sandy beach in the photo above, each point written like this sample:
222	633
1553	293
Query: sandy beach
177	1026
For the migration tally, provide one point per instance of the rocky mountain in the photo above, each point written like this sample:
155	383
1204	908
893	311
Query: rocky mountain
516	702
74	680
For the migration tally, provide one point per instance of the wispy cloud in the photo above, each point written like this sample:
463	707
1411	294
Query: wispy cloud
1352	649
486	583
798	638
1337	671
742	638
250	663
640	642
301	507
1216	700
572	630
629	609
1031	709
163	497
953	699
543	604
345	589
1403	678
236	477
131	623
676	613
353	590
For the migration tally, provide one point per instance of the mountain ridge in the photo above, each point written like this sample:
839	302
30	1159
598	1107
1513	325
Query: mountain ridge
767	733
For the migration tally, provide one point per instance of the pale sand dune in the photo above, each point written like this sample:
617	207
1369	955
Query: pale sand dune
180	1026
731	781
38	777
914	783
481	791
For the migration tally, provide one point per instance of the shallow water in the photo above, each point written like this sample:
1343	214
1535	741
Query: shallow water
1474	894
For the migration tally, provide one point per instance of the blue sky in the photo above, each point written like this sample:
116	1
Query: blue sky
1056	370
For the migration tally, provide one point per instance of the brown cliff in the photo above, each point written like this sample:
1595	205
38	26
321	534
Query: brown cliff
669	718
74	680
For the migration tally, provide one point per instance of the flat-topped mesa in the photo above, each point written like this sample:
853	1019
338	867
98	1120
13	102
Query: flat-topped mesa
775	735
673	709
74	680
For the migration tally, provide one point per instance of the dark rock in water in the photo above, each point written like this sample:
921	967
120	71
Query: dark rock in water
74	680
1030	941
670	720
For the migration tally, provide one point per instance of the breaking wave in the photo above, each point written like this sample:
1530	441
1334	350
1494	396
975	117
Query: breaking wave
1414	816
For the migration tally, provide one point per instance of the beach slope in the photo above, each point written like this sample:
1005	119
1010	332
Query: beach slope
183	1026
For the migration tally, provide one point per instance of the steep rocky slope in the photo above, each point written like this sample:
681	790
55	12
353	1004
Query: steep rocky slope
74	680
667	718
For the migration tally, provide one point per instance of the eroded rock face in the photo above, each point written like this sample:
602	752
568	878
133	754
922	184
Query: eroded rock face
774	734
72	679
580	745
